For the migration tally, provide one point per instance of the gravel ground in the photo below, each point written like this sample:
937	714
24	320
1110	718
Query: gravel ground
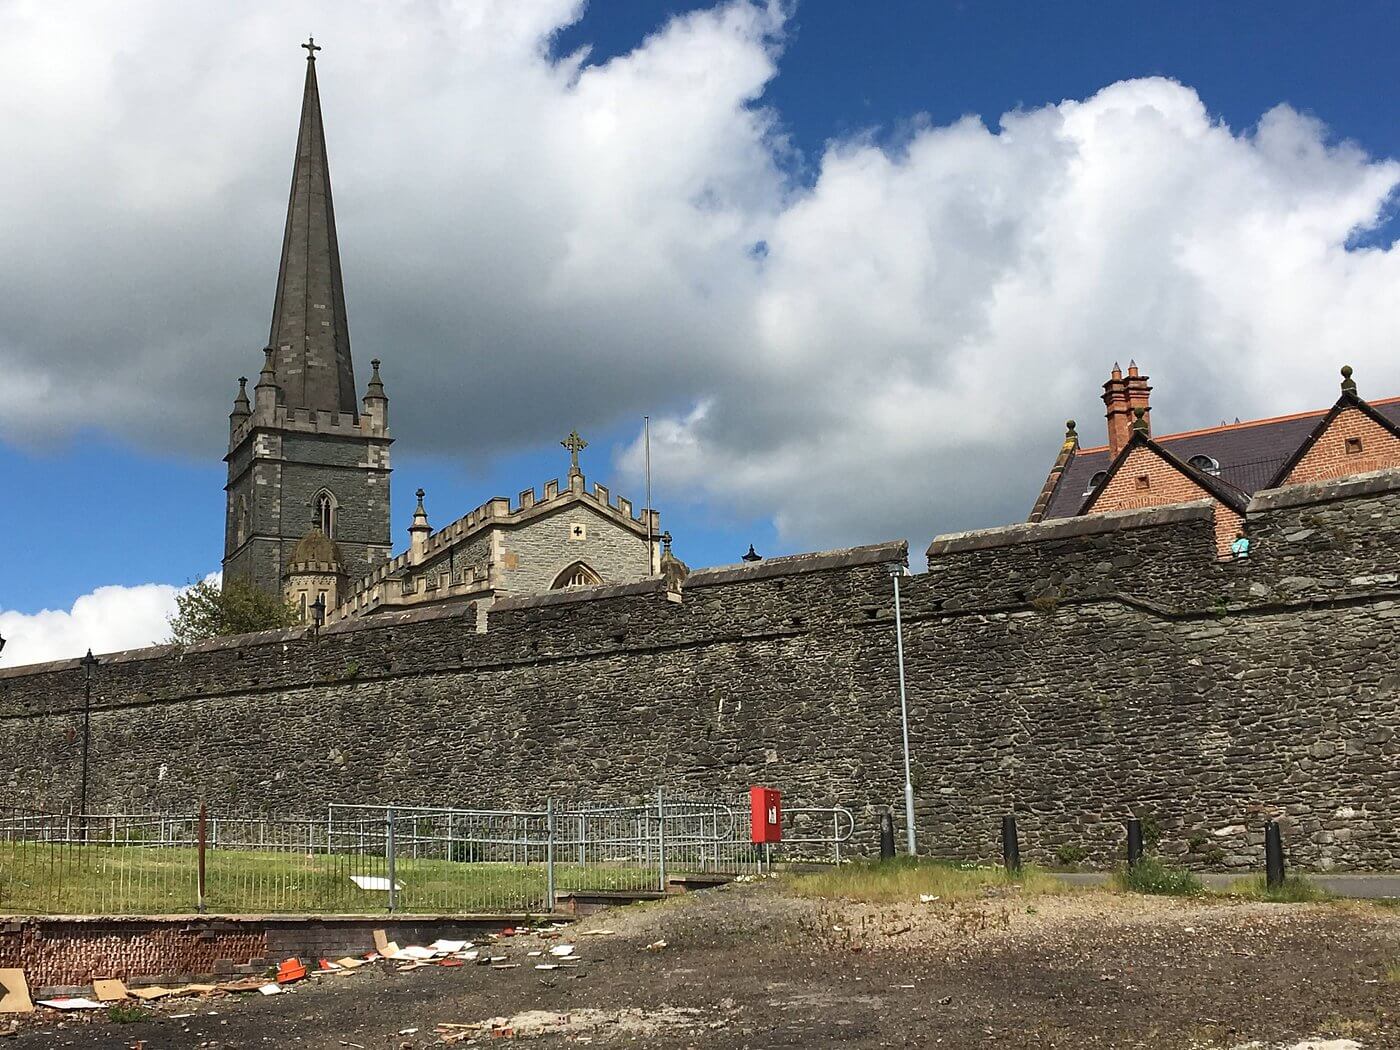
752	966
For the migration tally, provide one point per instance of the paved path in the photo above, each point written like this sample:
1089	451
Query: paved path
1370	886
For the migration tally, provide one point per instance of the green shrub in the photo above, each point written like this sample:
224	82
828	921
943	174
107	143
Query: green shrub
1150	875
1070	855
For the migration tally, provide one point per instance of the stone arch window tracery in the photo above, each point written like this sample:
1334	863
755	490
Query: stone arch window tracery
324	508
579	574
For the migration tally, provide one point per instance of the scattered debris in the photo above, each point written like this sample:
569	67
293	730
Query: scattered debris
290	970
374	882
562	951
271	988
76	1002
656	946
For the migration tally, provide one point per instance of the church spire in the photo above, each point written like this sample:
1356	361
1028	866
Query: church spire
309	328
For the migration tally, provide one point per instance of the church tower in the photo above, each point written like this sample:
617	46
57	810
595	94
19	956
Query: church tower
303	455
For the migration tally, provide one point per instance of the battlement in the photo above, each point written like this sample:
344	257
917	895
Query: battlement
309	421
500	511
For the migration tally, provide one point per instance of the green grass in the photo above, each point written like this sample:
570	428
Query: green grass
100	880
126	1013
1295	890
1392	973
906	878
1151	875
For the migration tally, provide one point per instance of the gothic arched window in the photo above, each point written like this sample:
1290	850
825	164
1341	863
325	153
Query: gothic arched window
325	514
576	575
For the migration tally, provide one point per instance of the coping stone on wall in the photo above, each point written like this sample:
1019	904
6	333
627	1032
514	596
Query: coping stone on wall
1375	483
794	564
1067	528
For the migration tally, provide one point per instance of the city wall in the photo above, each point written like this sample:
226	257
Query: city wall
1075	672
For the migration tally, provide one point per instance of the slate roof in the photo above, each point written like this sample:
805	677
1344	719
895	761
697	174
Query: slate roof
1250	454
308	313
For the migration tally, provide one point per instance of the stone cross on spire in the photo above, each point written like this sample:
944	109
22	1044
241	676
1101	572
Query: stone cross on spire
311	48
575	445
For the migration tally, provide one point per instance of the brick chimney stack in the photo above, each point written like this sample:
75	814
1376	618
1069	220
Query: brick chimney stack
1121	396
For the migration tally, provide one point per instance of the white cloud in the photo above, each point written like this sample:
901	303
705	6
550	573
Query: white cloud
106	620
533	243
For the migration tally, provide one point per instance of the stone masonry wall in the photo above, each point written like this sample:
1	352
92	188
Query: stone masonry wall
1076	672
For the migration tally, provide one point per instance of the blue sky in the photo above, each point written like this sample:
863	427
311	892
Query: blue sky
91	505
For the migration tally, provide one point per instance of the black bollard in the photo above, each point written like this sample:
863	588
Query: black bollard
886	836
1273	854
1010	844
1134	842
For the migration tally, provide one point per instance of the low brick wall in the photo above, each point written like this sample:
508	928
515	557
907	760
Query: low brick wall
67	952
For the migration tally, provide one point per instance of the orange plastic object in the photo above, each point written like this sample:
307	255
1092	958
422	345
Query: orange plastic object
290	970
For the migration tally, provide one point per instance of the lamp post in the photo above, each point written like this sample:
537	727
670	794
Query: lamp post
318	611
88	662
896	570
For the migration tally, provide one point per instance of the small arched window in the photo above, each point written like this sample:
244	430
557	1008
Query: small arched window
325	514
576	575
1205	464
1096	481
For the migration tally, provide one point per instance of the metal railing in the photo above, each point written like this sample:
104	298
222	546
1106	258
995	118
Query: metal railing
365	859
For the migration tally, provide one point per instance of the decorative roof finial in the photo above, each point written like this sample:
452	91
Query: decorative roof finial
375	387
420	517
1348	383
752	555
1139	423
666	541
575	445
311	48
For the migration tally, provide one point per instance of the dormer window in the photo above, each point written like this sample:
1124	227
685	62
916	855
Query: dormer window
1096	481
1205	464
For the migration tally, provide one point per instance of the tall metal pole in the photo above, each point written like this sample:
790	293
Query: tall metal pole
904	717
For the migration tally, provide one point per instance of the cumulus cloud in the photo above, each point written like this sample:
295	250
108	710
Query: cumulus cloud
106	620
880	341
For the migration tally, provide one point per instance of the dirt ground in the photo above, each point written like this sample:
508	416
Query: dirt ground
752	966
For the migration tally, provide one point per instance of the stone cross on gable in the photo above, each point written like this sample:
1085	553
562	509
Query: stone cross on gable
575	445
311	48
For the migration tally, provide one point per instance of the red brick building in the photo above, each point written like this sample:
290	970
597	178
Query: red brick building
1225	464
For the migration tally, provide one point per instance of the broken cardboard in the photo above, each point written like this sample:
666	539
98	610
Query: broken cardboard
108	990
14	993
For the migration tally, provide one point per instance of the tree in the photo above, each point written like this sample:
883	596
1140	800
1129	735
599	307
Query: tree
208	610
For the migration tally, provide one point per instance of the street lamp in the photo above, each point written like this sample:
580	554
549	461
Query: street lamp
88	662
318	611
897	570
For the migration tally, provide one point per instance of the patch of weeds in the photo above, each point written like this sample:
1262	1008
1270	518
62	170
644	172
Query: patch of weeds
1392	973
127	1013
1069	854
352	671
1045	603
909	878
1295	890
1151	875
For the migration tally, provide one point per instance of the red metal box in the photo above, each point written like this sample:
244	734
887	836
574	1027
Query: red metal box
766	812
